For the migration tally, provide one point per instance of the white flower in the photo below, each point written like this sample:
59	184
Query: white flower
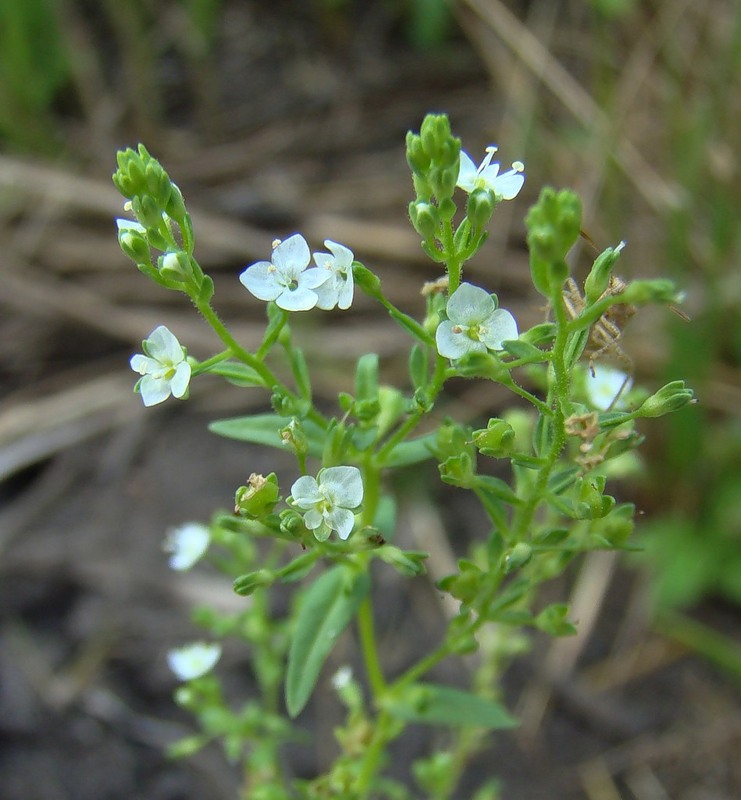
474	323
164	367
606	386
329	499
193	660
187	544
337	290
285	278
342	678
486	176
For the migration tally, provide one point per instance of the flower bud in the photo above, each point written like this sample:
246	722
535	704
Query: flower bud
368	281
673	396
175	266
425	218
517	557
132	240
480	207
497	440
598	280
245	585
294	437
653	291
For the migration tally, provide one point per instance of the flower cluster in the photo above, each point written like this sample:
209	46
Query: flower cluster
286	280
474	323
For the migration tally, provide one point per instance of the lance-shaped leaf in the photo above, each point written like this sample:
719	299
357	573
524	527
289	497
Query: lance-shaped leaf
325	612
442	705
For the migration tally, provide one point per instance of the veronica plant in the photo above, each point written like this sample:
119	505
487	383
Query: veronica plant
568	422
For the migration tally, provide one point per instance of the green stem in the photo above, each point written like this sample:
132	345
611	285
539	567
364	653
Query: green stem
411	422
269	378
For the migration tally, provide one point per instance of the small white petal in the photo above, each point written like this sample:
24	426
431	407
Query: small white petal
501	327
342	485
292	255
467	173
260	279
193	660
469	304
454	343
342	521
130	225
508	185
296	299
186	544
605	386
305	491
154	390
180	380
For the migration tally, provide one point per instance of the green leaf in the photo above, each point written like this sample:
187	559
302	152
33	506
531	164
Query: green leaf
236	373
265	429
412	451
432	704
327	608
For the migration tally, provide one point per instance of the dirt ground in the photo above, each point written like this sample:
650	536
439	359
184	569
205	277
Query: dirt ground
300	127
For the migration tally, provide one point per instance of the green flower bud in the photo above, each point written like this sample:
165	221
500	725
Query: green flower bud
591	502
598	280
294	437
480	207
673	396
497	440
458	471
134	244
258	497
292	523
417	158
176	266
425	218
617	527
245	585
368	281
654	291
517	557
553	226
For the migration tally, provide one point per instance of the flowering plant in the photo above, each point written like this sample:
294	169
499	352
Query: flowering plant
338	518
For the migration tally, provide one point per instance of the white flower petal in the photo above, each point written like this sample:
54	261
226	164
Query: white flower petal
343	255
187	544
193	660
313	519
292	255
343	486
501	327
305	491
342	521
453	343
261	280
605	386
508	184
296	299
180	380
164	346
130	225
467	174
313	278
154	390
469	305
143	364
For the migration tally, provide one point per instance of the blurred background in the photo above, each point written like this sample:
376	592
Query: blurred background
285	116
